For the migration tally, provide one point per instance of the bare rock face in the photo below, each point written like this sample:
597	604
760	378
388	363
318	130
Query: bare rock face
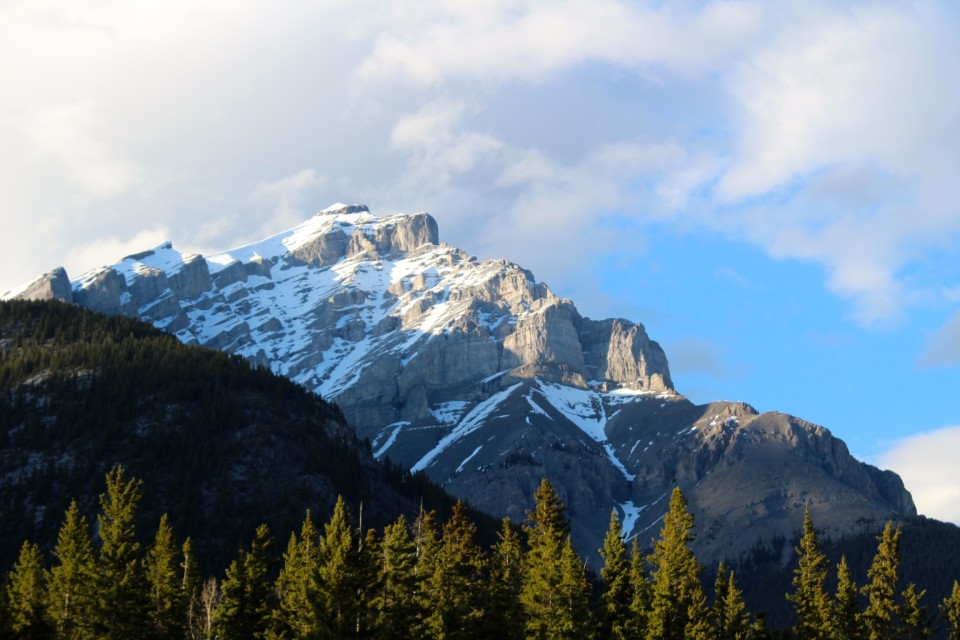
54	285
478	375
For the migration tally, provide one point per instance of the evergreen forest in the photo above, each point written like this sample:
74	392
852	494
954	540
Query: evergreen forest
430	579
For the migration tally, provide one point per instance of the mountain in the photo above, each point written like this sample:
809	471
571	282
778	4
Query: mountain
219	445
482	377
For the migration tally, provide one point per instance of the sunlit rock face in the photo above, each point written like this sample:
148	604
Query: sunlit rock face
473	372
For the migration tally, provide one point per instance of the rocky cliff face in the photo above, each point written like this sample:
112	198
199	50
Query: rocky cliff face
486	380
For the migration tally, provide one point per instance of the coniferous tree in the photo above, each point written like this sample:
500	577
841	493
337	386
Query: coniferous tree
642	594
951	611
368	584
698	625
457	609
504	611
25	595
718	613
244	606
736	619
573	620
294	616
675	574
399	613
71	596
337	577
809	598
846	622
542	568
191	588
122	603
915	623
879	616
614	611
426	540
163	571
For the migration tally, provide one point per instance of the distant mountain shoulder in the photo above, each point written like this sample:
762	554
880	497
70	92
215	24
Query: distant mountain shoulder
475	373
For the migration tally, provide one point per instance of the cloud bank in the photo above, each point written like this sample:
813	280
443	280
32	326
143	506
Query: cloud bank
818	131
927	462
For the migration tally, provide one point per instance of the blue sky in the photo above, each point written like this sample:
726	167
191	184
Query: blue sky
770	187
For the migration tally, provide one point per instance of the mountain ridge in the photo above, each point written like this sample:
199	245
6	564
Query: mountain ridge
482	377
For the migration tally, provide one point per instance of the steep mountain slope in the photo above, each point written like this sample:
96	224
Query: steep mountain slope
483	378
219	445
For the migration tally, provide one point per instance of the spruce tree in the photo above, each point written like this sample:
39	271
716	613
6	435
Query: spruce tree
457	610
698	625
675	574
718	613
504	611
397	606
122	602
71	596
294	616
915	623
244	607
614	611
191	587
26	593
642	594
542	567
809	598
951	612
879	616
163	571
426	541
336	603
736	619
572	620
846	619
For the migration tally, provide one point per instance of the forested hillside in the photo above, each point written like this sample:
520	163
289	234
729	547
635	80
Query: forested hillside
220	446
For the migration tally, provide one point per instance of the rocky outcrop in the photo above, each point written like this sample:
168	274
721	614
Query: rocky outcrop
54	285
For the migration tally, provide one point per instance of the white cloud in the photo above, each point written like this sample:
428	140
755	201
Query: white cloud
73	134
927	462
109	249
505	41
288	197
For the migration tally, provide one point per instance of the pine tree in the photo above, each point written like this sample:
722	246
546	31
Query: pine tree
399	613
191	588
368	584
675	575
718	612
915	624
573	620
163	571
879	616
294	616
809	598
504	611
614	612
736	619
122	604
426	540
951	611
642	593
25	595
337	585
457	581
846	621
71	597
542	568
698	625
244	608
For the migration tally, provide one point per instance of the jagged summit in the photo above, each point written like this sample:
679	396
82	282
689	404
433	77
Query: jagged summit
475	373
